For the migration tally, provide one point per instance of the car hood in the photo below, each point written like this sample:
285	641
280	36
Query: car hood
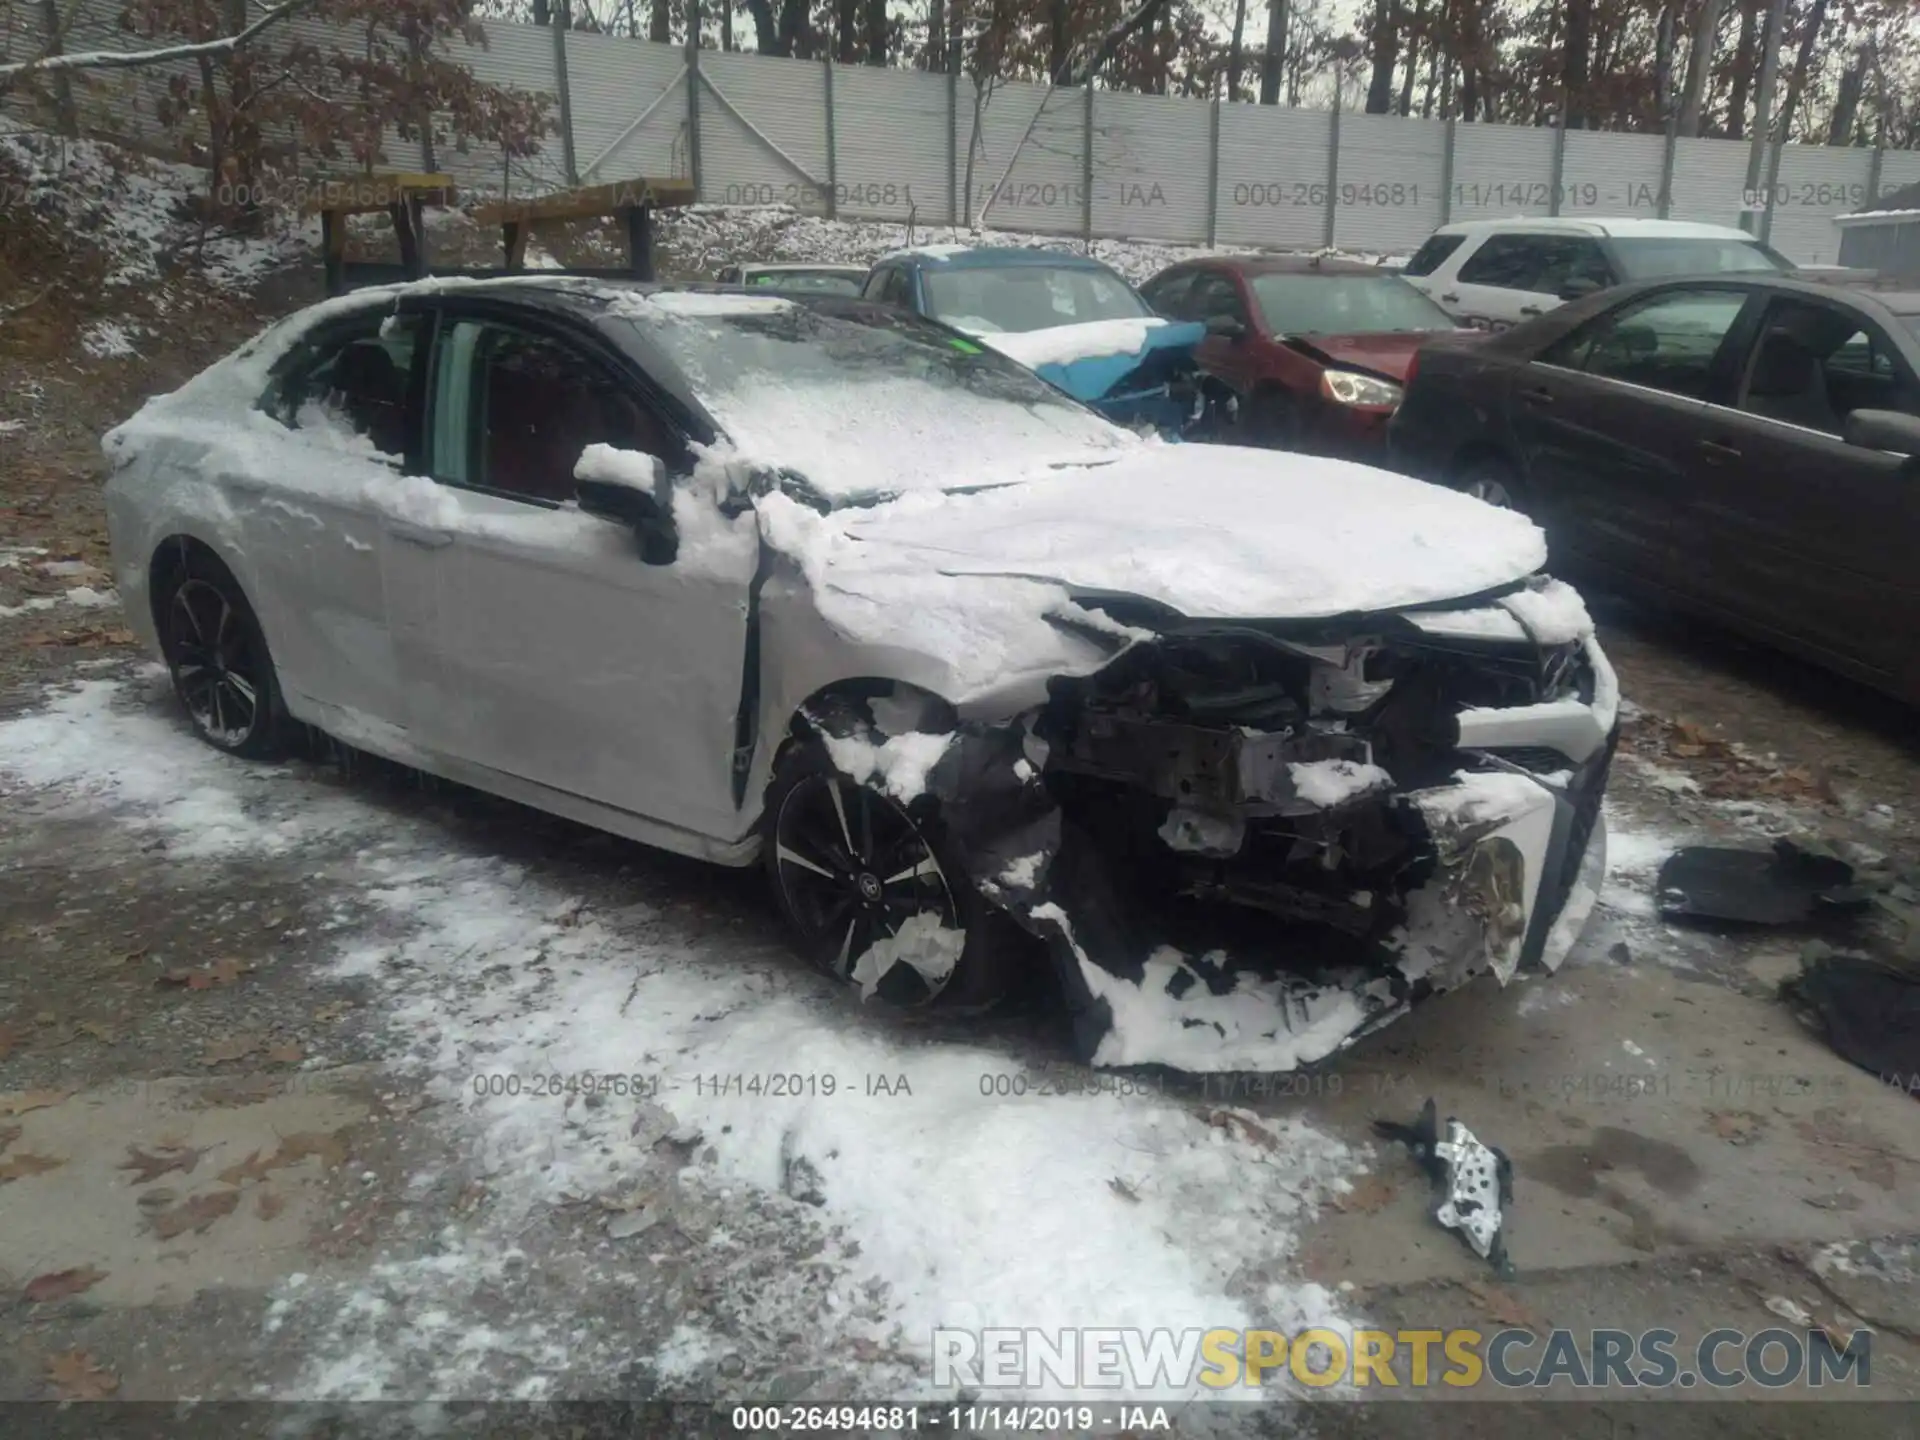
1211	531
1388	355
1089	361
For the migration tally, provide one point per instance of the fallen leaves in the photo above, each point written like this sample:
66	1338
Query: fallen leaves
328	1149
269	1205
10	1038
1243	1126
1369	1193
1737	1127
236	1047
89	637
288	1054
205	977
78	1376
196	1214
1503	1308
27	1100
152	1164
60	1284
23	1165
8	1134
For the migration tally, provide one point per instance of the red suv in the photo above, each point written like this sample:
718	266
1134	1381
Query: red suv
1317	349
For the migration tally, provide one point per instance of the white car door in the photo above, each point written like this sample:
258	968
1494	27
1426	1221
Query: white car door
562	656
1498	285
313	534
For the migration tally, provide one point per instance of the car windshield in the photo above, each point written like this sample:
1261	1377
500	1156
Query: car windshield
1307	304
812	282
1654	257
866	400
1028	297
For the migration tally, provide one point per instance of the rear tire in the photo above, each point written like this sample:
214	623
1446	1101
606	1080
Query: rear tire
217	657
850	866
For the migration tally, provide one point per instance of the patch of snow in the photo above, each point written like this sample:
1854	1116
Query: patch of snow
1637	1053
107	339
1540	998
635	469
1064	344
696	303
12	427
922	943
483	968
900	763
1331	783
1634	858
1024	873
1551	611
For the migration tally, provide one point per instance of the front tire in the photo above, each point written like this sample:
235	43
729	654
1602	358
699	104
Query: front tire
1494	481
871	892
217	657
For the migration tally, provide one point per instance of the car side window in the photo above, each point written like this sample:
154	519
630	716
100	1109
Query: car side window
1506	262
1816	364
1213	295
513	410
892	286
359	377
1567	259
1169	295
1430	256
1666	342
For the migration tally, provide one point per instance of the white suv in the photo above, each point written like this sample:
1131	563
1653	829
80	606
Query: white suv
1495	273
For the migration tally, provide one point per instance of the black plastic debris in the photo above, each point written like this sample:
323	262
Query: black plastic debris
1472	1182
1869	1010
1789	884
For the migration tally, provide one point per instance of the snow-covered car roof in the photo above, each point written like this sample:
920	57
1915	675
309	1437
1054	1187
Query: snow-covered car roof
1621	227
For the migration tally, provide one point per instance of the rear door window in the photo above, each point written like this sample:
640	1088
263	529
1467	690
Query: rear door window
1506	262
355	380
1169	294
1430	256
1214	294
1669	342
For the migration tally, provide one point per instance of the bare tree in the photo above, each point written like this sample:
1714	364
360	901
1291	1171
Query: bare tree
1275	58
1385	44
60	64
1846	104
1699	63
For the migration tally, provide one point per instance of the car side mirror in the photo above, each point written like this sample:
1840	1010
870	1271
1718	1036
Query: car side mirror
1579	289
1891	430
630	488
1226	327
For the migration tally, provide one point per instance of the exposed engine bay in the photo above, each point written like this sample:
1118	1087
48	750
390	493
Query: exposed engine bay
1248	844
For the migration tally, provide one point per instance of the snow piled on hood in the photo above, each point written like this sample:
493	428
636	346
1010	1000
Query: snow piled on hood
1064	344
944	1202
1214	531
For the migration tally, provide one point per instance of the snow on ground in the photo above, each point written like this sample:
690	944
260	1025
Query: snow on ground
108	340
949	1202
705	237
138	212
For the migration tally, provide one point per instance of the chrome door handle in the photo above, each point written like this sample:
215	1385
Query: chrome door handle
1529	309
419	535
1450	295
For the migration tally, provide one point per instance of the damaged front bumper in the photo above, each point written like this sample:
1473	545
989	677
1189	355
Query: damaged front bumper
1258	881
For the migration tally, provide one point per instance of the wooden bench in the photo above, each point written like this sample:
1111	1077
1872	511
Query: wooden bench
400	196
630	201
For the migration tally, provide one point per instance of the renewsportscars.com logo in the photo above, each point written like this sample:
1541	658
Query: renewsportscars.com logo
1224	1361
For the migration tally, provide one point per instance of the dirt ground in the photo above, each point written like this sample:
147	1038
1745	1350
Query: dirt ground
221	1177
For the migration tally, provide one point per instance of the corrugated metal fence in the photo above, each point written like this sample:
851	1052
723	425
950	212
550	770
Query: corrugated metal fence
855	141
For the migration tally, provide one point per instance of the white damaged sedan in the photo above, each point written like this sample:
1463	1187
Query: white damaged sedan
1256	750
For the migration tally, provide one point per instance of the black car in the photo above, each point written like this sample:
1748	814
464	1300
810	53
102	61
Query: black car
1744	448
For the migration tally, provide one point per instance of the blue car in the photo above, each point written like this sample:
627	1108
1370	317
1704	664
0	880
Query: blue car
1072	320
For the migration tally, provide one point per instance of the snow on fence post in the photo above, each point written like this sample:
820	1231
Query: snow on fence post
1213	171
561	21
833	167
1086	165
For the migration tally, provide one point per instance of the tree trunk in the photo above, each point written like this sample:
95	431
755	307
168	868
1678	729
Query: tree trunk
543	12
1273	62
1446	90
877	32
846	31
1432	89
796	35
766	35
660	21
1663	65
1574	63
1386	55
1413	56
1699	62
957	36
1236	50
726	26
1059	38
1847	104
1797	82
936	56
1469	91
1743	52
